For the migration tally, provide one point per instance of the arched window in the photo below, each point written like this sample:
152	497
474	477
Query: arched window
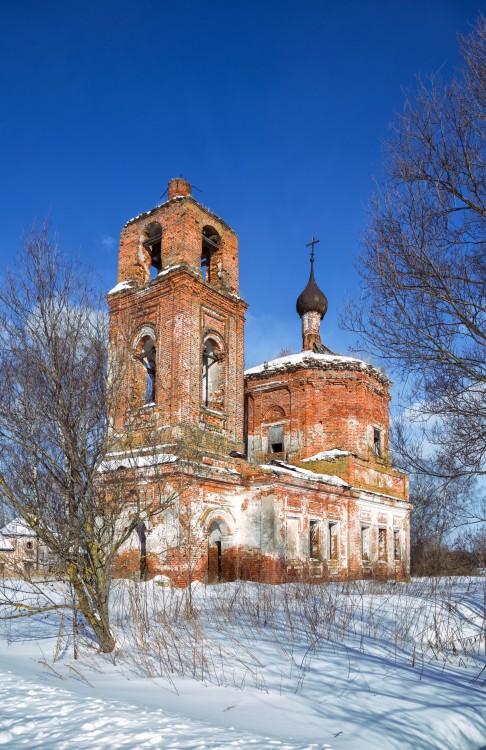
147	356
209	262
152	244
212	375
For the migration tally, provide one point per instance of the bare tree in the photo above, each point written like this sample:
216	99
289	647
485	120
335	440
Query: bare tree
56	391
441	510
423	264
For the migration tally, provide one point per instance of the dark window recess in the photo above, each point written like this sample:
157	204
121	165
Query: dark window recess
382	545
211	373
205	263
397	547
314	540
377	442
365	543
210	244
333	553
148	358
276	438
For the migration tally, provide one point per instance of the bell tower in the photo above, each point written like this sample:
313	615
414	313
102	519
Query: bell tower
177	323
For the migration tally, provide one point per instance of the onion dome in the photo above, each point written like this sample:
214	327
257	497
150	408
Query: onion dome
312	299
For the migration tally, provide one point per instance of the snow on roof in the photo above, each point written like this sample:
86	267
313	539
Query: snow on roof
223	469
17	527
147	213
5	545
280	467
169	269
304	359
121	287
136	462
327	455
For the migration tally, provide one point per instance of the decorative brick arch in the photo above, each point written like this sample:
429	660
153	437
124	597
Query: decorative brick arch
145	331
218	525
144	353
274	413
220	515
213	360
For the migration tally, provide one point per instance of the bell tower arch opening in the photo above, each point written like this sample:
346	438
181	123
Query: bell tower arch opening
152	247
210	255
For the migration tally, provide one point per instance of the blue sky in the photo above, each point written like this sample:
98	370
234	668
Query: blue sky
275	110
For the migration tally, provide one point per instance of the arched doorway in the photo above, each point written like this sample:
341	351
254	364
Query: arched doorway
217	531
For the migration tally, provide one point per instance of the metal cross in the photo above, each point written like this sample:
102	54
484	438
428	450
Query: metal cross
311	244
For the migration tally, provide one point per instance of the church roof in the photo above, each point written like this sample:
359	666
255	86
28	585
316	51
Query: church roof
183	199
311	360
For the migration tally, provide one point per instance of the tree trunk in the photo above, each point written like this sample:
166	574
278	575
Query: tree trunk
97	617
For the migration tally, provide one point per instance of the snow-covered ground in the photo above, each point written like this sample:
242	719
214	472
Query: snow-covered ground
346	667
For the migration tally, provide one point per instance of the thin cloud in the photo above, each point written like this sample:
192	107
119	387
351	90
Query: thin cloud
107	241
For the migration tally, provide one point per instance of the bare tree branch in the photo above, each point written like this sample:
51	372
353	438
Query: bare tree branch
423	262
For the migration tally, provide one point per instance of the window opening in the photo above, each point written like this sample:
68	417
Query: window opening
217	530
382	551
153	245
397	547
276	438
314	540
365	543
148	358
333	541
210	244
212	394
377	442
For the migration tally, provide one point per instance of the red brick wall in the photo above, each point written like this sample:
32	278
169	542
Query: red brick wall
332	407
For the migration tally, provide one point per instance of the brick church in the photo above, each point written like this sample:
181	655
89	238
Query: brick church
280	472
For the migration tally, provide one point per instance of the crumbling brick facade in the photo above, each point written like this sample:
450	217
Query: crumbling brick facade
290	474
